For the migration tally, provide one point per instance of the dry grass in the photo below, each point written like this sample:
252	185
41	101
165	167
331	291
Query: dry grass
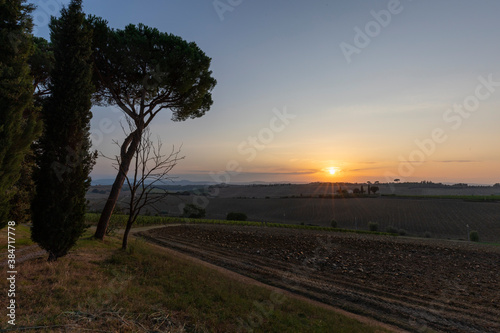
82	292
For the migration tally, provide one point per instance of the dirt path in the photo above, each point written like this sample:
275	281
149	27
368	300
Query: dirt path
411	284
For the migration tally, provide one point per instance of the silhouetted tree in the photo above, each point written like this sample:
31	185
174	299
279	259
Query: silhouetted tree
64	163
374	189
19	125
144	71
41	63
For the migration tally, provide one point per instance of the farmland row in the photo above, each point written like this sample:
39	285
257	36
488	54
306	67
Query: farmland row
440	218
436	218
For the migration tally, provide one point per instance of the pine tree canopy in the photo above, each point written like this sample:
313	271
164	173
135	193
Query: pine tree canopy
144	71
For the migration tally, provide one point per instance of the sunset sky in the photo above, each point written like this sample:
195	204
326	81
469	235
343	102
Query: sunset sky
327	90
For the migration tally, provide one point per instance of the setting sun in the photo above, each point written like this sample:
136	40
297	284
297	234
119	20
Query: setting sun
332	171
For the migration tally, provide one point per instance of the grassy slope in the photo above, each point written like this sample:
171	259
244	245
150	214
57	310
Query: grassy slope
102	289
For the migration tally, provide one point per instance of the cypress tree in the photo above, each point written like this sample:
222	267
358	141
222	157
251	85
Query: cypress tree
41	63
65	161
19	125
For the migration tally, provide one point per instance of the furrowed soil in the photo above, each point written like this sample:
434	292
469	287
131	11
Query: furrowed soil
414	284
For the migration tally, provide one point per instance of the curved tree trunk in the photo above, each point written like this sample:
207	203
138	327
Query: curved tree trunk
128	150
127	231
107	211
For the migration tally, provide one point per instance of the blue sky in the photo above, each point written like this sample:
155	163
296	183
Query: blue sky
368	114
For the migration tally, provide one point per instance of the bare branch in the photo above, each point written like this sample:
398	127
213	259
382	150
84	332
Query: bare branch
151	169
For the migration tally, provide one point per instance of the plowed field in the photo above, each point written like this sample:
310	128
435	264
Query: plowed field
413	284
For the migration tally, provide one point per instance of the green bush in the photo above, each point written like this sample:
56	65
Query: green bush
402	232
391	230
428	234
334	224
193	211
474	236
373	226
236	216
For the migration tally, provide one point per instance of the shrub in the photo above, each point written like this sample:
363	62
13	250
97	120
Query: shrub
334	224
373	226
391	230
236	216
474	236
402	232
428	234
193	211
